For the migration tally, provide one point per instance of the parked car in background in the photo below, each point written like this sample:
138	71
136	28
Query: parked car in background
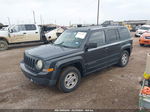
130	28
144	39
17	34
77	53
54	34
141	30
47	28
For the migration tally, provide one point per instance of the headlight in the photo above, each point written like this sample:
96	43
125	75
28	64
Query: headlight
39	65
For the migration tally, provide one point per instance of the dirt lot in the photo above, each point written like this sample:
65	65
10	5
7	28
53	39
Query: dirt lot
112	88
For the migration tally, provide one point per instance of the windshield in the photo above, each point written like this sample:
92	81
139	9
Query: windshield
145	28
71	39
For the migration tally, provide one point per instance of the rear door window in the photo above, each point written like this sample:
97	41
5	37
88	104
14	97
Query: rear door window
124	33
97	37
111	35
30	27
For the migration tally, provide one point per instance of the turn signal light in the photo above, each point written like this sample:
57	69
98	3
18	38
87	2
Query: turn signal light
50	69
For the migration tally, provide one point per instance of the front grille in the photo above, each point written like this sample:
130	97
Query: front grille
29	62
147	37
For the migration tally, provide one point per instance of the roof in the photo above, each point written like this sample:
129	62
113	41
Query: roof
146	26
92	28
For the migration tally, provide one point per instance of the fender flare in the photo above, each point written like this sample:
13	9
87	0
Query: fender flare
127	46
2	38
66	62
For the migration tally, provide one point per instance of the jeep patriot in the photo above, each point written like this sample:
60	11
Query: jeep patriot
77	53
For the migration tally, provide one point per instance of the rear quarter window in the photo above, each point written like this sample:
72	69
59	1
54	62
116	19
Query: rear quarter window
111	35
124	34
30	27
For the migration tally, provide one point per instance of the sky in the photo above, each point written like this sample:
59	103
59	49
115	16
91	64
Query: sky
65	12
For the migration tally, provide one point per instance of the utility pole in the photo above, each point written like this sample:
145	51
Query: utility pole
69	23
41	19
34	17
55	21
98	12
9	21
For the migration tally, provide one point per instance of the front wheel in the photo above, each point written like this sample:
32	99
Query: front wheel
69	79
141	45
3	45
124	59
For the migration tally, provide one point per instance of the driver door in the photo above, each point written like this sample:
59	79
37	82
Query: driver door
95	58
18	34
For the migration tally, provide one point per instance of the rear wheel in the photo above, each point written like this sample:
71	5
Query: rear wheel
3	45
69	79
124	59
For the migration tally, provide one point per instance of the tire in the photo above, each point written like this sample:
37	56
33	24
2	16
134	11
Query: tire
135	35
124	59
141	45
3	45
71	74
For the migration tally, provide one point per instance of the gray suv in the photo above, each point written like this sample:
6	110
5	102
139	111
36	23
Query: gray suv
75	54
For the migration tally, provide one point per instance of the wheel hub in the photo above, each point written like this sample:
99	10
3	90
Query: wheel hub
71	80
2	45
124	59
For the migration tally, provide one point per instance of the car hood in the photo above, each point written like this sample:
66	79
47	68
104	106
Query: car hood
3	33
141	31
58	30
51	33
50	51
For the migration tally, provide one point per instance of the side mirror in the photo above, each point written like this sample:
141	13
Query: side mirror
10	30
91	45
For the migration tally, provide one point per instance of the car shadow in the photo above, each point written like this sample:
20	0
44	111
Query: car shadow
146	46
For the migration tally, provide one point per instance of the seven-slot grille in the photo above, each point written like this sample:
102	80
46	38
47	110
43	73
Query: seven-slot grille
29	62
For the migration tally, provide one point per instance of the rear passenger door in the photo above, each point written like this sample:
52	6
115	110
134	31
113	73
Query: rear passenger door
113	46
32	33
95	58
125	37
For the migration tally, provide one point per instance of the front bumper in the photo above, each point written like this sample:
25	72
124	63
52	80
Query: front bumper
38	78
144	41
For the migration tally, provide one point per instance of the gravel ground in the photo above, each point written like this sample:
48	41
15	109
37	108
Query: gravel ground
111	88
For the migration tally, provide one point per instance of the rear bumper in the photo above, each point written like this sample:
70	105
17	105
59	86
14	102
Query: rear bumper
39	78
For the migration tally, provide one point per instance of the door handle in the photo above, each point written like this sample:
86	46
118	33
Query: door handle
24	33
36	32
